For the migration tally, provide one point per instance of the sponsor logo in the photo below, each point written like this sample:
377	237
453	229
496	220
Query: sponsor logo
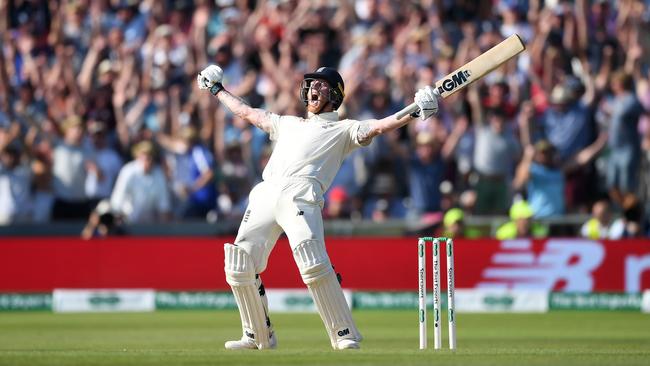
104	300
456	80
195	300
595	301
343	332
300	213
247	215
298	300
249	335
11	301
495	300
422	279
562	265
635	268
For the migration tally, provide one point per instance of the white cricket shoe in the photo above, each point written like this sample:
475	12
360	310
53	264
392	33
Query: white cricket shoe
347	344
247	343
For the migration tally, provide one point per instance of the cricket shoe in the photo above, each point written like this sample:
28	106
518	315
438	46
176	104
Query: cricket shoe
347	344
247	343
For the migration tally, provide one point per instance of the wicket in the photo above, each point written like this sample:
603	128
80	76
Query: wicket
422	291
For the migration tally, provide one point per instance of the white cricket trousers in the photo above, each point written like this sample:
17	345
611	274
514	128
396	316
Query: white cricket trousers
292	205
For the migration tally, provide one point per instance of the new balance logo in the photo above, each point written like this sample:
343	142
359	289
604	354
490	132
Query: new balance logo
343	332
300	213
249	335
556	265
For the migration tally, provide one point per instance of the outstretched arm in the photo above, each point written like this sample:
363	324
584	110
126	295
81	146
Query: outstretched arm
255	116
374	127
210	79
425	98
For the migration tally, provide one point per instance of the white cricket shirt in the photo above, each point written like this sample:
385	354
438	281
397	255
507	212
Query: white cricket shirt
310	148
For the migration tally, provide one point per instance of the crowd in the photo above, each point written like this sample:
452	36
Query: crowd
99	108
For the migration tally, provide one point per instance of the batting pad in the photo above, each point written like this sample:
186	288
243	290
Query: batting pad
265	301
240	275
318	274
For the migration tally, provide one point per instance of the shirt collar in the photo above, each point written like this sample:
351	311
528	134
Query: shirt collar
329	116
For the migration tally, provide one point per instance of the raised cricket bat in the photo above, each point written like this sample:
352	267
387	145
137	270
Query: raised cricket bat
474	70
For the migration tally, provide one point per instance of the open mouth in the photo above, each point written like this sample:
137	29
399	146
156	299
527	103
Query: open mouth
313	98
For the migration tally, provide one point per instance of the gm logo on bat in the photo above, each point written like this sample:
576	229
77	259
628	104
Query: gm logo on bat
454	81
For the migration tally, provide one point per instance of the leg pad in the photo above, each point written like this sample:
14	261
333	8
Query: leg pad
240	275
319	276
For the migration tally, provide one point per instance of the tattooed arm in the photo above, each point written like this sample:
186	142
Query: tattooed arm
426	100
210	79
373	127
255	116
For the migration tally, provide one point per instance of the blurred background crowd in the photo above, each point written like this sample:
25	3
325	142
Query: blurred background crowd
99	111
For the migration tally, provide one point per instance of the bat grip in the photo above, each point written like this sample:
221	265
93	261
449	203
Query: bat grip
407	111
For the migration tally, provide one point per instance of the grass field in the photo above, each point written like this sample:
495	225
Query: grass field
391	338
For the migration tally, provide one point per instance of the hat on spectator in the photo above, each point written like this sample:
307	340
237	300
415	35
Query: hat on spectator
520	210
105	67
338	194
424	138
71	121
163	30
453	216
143	147
189	133
560	94
543	145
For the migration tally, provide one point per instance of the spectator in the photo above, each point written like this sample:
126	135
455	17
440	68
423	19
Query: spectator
337	204
539	169
599	226
140	193
102	222
624	140
127	64
14	187
453	221
236	180
71	163
521	224
495	153
102	175
193	177
629	224
427	169
42	194
568	125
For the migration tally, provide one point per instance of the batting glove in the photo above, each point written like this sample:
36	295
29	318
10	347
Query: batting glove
427	99
210	79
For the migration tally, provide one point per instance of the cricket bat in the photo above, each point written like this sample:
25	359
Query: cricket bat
474	70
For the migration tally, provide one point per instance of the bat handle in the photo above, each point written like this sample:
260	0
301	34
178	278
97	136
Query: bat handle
407	111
